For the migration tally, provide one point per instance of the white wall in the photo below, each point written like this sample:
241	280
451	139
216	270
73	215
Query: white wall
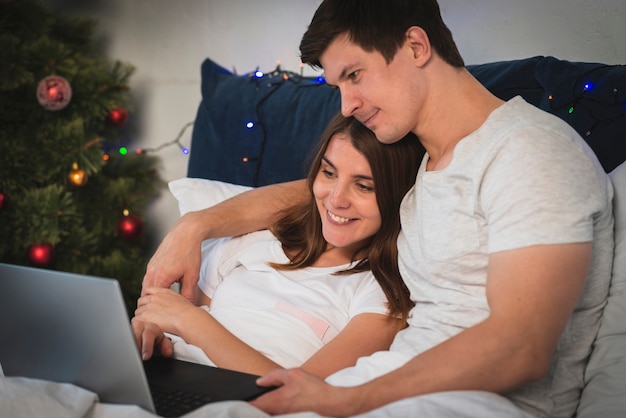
168	40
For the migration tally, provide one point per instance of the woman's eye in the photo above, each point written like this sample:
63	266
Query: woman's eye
327	173
365	187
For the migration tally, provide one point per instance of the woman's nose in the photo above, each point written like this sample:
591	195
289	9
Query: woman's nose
339	196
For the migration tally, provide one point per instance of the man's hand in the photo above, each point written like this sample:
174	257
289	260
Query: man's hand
150	339
179	256
301	391
177	259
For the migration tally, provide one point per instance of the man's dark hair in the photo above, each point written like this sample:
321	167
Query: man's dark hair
377	25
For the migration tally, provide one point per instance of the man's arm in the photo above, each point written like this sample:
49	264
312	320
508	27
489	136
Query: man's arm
531	294
178	257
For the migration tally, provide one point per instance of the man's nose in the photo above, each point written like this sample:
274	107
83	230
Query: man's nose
349	102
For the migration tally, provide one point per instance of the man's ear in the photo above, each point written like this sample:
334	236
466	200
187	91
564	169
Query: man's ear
419	43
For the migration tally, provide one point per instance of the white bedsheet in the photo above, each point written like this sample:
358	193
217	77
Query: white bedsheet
22	397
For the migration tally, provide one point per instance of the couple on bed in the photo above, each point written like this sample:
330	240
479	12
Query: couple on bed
505	241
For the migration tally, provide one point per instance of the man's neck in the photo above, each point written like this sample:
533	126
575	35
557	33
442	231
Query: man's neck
459	107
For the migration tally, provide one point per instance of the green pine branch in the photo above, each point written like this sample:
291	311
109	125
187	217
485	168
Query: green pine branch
39	147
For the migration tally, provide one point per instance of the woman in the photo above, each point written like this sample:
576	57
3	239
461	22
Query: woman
317	291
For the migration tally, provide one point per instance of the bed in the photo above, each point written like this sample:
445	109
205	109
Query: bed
256	129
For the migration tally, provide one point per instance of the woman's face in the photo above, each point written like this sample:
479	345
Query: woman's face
345	196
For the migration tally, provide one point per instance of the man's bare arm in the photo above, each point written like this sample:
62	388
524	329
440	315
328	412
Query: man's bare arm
178	257
531	293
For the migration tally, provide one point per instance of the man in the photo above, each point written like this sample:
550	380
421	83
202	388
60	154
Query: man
506	237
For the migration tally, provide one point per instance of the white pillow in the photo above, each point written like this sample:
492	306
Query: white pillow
195	194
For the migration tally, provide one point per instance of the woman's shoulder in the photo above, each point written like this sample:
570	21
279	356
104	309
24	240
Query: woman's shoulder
246	240
255	247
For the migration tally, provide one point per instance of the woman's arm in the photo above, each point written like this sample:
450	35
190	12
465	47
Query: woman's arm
170	312
363	335
178	258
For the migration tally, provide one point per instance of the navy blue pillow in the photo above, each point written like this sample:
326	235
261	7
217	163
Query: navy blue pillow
591	97
258	130
287	115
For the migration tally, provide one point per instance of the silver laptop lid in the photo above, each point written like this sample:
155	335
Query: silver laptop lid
70	328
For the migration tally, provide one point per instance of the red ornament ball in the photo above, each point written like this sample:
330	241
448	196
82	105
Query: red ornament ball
129	227
3	200
54	93
41	255
118	116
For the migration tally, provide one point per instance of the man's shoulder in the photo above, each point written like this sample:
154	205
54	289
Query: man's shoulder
517	113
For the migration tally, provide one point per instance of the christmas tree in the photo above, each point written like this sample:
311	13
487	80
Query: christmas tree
71	198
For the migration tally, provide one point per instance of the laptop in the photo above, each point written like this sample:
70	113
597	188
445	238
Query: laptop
73	328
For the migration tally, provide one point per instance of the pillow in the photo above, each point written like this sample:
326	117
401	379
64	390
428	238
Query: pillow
603	395
195	194
591	97
256	131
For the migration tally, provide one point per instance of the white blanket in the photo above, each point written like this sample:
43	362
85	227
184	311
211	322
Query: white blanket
22	397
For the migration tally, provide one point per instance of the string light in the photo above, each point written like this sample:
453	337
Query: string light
270	79
588	92
283	75
176	141
277	76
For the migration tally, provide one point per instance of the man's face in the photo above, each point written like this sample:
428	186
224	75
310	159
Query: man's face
384	97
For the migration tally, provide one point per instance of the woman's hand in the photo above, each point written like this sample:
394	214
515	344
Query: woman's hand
150	339
165	308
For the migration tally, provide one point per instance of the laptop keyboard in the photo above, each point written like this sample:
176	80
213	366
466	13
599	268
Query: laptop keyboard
176	403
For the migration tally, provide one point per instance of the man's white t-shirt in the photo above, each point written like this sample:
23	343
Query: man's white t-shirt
523	178
285	315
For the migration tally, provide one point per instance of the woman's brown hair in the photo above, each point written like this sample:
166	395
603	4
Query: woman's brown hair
394	168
